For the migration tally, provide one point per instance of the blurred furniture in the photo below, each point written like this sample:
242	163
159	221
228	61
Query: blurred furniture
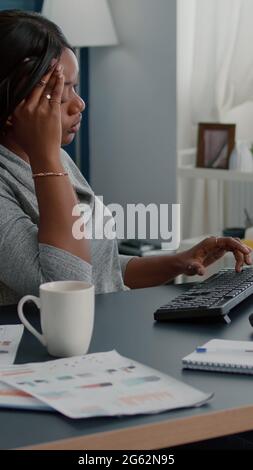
143	248
187	170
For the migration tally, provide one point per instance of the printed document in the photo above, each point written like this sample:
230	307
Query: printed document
10	336
101	384
15	398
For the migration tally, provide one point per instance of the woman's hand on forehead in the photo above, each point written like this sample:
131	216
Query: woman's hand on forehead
37	119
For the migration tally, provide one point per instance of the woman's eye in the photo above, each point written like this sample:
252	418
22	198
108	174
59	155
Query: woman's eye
65	99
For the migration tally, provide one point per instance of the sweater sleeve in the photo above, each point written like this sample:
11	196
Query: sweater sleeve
24	262
124	260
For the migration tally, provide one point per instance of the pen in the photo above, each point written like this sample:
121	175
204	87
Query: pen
206	350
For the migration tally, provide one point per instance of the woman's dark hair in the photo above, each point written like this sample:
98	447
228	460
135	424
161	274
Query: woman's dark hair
28	43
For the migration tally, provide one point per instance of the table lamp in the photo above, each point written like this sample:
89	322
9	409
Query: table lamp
85	23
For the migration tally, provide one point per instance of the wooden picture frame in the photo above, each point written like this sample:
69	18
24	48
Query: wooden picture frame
215	144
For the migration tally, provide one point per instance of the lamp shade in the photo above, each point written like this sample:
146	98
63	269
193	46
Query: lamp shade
84	23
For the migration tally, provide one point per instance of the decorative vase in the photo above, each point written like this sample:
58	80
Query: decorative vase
241	158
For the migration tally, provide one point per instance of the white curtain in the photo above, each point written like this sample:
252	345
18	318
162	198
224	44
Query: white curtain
215	83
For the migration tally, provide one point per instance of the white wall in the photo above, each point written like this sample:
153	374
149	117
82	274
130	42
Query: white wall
200	203
133	105
186	132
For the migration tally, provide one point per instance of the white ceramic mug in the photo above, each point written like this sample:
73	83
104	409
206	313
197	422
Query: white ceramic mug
66	315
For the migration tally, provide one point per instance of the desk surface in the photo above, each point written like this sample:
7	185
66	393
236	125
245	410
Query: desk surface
124	321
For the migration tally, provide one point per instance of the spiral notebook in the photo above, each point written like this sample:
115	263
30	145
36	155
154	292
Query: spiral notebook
222	355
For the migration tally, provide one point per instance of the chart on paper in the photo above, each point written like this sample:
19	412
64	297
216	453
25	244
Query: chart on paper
102	384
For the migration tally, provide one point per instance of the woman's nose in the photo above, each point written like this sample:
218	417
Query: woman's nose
82	104
77	105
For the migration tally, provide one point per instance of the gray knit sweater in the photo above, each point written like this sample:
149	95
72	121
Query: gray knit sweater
25	263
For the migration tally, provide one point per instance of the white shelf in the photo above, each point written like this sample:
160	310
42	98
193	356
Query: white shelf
189	171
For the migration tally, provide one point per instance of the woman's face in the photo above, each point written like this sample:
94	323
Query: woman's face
71	104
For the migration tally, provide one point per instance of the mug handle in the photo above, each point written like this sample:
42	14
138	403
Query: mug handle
26	323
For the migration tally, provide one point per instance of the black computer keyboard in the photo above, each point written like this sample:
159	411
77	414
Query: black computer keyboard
214	297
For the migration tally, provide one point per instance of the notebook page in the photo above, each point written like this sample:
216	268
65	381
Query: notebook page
228	353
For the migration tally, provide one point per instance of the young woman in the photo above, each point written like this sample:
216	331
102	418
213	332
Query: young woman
40	112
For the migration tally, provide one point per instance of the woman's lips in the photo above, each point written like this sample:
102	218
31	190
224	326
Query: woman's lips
75	129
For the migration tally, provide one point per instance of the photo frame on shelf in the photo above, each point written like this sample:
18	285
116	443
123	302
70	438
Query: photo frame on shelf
215	144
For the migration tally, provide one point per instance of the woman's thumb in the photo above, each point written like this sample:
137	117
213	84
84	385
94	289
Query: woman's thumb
197	268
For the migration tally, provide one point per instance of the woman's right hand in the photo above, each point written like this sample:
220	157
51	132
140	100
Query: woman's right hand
37	119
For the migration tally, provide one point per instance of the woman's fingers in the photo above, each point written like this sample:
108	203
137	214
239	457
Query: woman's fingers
47	91
215	247
45	84
53	92
57	90
239	257
232	244
242	253
247	257
19	106
195	267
